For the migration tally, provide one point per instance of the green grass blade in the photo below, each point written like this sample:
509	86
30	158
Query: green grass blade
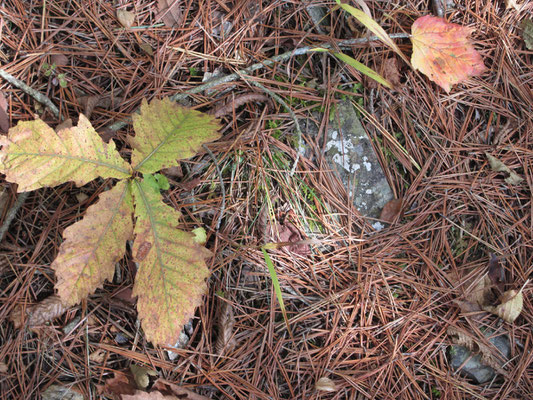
277	287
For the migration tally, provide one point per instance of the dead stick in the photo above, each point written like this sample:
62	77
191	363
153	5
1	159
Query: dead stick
41	98
260	65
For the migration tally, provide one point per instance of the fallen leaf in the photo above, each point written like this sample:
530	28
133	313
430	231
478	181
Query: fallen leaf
510	308
496	273
391	210
93	245
38	314
168	388
169	12
467	307
289	234
142	375
59	60
480	292
170	282
98	356
442	51
512	4
390	70
527	32
121	383
126	18
35	156
66	124
498	166
326	385
3	368
158	144
56	392
147	49
89	103
225	327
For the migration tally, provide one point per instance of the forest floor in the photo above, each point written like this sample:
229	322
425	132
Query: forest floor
369	310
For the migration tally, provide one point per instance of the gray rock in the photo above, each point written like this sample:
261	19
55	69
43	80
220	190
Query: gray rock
474	368
349	151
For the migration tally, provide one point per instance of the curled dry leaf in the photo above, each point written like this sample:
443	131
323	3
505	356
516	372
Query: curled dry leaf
498	166
47	310
121	383
326	385
142	375
442	51
126	18
510	308
391	210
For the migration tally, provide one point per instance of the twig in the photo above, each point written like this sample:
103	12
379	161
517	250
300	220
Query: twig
222	189
11	213
293	116
260	65
41	98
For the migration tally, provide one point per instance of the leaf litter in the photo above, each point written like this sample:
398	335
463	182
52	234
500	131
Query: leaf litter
358	290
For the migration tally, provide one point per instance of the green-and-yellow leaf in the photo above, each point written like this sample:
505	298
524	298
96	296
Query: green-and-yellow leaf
94	244
170	281
166	132
34	155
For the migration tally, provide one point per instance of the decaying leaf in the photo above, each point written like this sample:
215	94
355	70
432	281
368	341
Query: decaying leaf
142	375
391	210
3	367
442	51
126	18
35	156
510	308
166	132
170	281
527	32
390	70
496	273
94	244
480	292
326	385
57	392
98	356
168	388
47	310
225	327
169	12
511	4
498	166
121	383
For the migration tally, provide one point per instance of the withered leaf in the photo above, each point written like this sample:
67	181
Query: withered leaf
169	12
510	308
391	210
141	375
225	327
46	310
326	385
498	166
126	18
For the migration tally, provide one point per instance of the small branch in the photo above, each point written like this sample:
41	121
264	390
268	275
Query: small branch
11	213
260	65
222	188
293	116
41	98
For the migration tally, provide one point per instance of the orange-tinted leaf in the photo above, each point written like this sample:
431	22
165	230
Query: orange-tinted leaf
34	155
442	51
170	281
93	245
166	132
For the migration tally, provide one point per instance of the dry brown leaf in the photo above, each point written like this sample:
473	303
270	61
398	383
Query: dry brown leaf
59	60
66	124
167	387
326	385
126	18
98	356
512	4
498	166
38	314
169	12
57	392
140	395
142	375
510	308
121	383
225	327
389	70
391	210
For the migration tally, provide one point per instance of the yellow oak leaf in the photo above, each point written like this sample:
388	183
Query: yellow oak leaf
171	278
442	51
35	156
94	244
166	132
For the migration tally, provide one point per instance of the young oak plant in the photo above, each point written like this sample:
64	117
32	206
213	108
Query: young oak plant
170	280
